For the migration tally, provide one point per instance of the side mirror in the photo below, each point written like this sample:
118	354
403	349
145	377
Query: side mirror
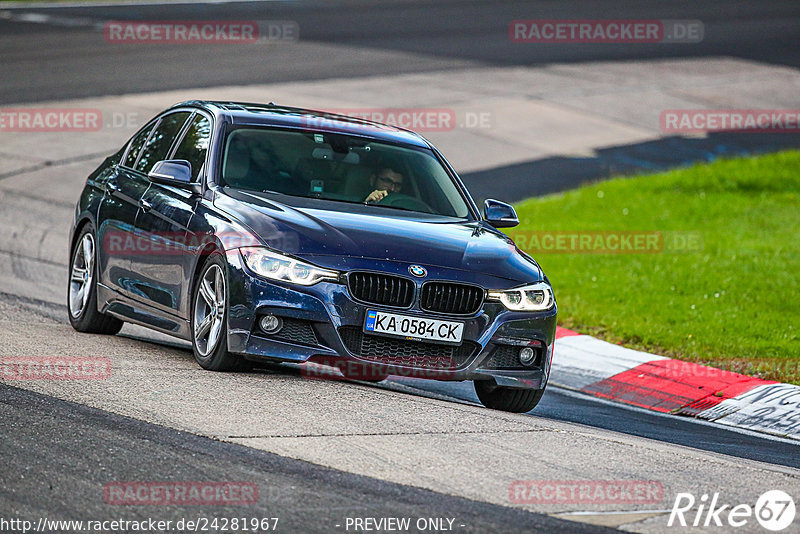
176	172
499	214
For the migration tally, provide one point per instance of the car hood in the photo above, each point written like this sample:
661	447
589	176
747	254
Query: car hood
327	232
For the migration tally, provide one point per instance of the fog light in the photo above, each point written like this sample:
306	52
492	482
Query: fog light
527	355
270	324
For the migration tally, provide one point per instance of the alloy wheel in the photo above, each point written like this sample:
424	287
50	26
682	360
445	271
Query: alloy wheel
209	310
80	280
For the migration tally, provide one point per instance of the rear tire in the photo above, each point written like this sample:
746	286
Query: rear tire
82	288
209	319
514	400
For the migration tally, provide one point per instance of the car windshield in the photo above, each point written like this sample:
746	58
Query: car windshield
339	167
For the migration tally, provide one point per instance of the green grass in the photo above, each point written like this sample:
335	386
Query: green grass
733	304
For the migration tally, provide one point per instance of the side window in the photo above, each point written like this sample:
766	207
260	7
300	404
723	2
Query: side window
136	146
158	145
194	146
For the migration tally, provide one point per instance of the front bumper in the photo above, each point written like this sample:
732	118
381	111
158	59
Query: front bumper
323	323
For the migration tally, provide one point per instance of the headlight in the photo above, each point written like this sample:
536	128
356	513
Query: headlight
269	264
534	297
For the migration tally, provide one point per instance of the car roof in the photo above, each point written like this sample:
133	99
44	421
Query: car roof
307	119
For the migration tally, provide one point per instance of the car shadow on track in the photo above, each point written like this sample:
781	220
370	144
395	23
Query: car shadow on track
556	405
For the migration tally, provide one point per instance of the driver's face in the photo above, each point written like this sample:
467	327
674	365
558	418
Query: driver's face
388	180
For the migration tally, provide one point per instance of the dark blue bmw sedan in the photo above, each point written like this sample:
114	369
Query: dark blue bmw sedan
268	233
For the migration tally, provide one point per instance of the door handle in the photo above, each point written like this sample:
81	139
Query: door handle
145	205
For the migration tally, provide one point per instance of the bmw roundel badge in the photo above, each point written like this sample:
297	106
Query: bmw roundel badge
418	270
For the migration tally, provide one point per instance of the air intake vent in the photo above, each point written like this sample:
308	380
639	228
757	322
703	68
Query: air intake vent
297	331
507	357
405	353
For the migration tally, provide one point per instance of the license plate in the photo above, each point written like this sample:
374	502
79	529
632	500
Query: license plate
415	328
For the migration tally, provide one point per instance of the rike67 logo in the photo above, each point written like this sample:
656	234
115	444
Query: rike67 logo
774	510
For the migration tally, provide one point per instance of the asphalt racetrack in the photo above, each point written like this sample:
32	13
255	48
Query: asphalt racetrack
323	451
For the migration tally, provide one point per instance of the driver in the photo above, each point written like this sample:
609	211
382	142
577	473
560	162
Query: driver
386	180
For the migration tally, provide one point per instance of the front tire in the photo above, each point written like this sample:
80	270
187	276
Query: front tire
209	319
82	288
514	400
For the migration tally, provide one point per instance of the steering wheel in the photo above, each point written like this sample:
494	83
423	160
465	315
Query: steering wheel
400	200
